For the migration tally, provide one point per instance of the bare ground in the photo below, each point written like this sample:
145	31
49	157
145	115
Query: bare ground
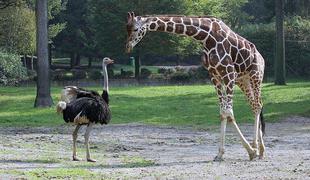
134	151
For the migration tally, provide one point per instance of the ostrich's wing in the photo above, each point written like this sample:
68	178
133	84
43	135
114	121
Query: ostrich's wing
70	93
95	110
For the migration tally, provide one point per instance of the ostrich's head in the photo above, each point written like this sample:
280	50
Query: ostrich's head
136	30
107	61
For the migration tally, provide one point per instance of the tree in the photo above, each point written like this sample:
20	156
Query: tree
280	46
74	37
17	30
43	98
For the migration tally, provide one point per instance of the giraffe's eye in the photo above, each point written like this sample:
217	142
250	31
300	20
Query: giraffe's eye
135	30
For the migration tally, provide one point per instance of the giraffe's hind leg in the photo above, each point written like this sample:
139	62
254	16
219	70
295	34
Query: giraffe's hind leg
257	105
229	85
251	88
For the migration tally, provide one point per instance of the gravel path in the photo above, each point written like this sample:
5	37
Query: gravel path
134	151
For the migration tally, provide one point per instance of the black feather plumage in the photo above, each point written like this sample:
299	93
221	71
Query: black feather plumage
96	110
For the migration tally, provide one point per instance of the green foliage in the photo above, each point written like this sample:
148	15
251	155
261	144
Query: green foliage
11	69
297	45
78	74
126	74
95	74
17	30
199	73
180	76
145	73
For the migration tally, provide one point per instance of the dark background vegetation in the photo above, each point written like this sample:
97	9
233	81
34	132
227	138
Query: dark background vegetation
81	32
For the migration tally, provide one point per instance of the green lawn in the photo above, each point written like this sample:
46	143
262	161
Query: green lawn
168	105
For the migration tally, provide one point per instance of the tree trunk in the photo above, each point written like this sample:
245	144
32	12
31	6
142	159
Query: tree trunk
137	65
280	45
50	54
43	98
78	60
90	59
72	60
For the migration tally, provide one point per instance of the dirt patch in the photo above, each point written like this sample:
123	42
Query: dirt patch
149	152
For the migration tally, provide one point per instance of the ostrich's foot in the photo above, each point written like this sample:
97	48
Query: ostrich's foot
91	160
74	158
218	159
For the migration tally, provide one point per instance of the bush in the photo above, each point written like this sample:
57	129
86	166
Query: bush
166	71
180	77
145	73
78	74
110	73
198	73
11	69
95	74
32	74
162	70
126	74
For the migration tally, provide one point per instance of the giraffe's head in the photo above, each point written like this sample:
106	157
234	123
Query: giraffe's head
136	29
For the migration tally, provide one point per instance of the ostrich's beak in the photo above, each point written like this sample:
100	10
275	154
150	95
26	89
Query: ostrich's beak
111	61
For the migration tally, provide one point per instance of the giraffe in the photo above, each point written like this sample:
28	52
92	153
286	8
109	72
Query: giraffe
230	60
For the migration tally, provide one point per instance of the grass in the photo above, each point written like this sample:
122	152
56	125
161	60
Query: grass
136	161
167	105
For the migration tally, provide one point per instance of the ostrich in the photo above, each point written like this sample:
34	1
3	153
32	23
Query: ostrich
85	107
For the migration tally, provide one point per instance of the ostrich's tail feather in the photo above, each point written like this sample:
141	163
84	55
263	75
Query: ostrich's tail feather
61	105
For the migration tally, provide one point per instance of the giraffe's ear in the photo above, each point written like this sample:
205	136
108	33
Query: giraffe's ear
129	17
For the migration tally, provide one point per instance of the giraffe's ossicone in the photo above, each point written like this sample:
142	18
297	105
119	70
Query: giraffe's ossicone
229	58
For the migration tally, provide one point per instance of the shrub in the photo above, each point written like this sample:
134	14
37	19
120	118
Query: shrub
94	74
162	70
198	73
126	74
59	75
78	74
32	74
180	77
110	73
145	73
11	69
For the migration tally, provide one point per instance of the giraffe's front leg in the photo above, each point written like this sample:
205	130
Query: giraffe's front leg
219	90
219	156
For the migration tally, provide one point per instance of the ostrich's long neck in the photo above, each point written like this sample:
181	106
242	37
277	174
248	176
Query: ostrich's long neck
196	27
105	78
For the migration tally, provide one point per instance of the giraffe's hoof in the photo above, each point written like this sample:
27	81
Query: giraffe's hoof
218	159
91	160
253	154
74	158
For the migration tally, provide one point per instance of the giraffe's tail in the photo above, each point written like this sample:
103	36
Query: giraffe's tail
262	121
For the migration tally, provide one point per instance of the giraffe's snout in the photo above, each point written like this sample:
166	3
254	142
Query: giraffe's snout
128	48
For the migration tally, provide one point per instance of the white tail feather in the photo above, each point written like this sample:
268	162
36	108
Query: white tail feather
61	105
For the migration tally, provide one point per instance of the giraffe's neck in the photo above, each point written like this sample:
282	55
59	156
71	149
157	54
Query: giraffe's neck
198	28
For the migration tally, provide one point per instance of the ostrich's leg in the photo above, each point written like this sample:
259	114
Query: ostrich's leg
75	134
89	128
